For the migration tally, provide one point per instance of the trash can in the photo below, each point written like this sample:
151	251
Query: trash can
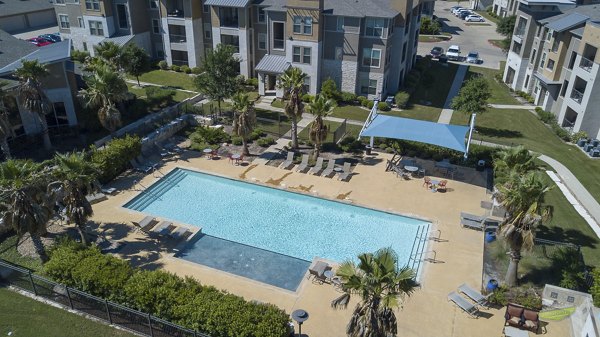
481	165
490	237
491	285
368	150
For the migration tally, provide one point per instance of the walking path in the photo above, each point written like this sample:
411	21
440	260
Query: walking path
158	85
512	106
446	114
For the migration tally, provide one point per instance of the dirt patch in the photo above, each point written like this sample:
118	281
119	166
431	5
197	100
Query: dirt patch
248	169
277	182
302	188
343	196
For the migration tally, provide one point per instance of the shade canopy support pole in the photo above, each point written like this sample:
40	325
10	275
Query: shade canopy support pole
471	128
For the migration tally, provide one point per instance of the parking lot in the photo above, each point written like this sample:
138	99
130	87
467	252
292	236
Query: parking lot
469	38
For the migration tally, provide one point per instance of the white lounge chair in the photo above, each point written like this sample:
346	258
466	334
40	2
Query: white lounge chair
317	168
473	294
303	165
345	172
329	169
146	223
289	162
472	221
462	303
163	228
140	168
180	232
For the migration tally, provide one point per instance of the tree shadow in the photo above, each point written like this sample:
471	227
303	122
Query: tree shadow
573	236
499	133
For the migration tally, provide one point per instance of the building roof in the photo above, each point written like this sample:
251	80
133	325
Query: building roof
572	17
274	64
566	22
578	31
119	40
48	54
15	7
12	49
354	8
227	3
545	80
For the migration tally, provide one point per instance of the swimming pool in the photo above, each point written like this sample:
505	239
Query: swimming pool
293	224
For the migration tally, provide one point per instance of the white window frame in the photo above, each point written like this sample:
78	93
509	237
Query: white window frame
97	26
61	22
302	54
373	22
369	51
340	24
258	15
272	39
81	22
119	16
264	42
306	85
92	4
368	86
157	26
303	25
543	60
548	64
207	27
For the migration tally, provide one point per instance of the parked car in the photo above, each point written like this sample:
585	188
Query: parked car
51	37
457	13
456	9
474	18
473	57
38	41
453	53
390	100
464	14
436	52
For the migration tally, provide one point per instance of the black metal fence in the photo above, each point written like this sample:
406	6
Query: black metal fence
340	132
113	313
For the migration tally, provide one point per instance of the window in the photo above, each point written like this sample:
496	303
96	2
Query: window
516	47
371	57
570	299
339	53
301	55
374	27
550	65
368	87
548	34
555	44
563	90
278	35
526	81
156	26
206	8
122	16
404	52
572	60
303	25
306	86
207	31
92	5
262	41
153	4
64	21
543	61
96	28
58	116
85	48
261	14
60	2
340	24
532	60
539	30
81	22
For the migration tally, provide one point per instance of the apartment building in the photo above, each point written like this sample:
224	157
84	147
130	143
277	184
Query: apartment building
553	58
504	8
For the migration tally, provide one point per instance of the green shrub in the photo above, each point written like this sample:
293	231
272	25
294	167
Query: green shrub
389	150
498	296
370	104
499	77
307	98
186	69
196	70
595	289
329	90
545	116
158	96
79	55
175	68
351	145
383	106
256	134
568	263
526	297
211	136
253	81
114	157
402	98
236	141
364	102
560	132
578	135
265	142
429	26
163	65
348	97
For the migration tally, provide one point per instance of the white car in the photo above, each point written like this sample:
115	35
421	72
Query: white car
458	8
473	57
474	18
457	13
453	53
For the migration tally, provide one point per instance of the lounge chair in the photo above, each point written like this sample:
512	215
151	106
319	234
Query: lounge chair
289	162
95	198
329	169
345	174
317	168
108	190
163	228
146	223
173	148
145	162
472	221
180	232
303	165
317	270
462	303
163	152
473	294
140	168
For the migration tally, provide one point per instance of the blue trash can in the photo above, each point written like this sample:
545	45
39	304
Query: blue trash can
490	237
491	286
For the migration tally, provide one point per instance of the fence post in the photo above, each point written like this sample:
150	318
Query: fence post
69	297
107	311
32	283
150	325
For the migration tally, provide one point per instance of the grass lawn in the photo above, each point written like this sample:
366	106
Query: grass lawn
487	16
500	93
428	38
497	43
212	106
23	316
351	130
435	92
168	78
417	111
9	252
274	128
354	112
141	93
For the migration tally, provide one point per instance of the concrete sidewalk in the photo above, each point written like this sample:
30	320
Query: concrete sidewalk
512	106
459	77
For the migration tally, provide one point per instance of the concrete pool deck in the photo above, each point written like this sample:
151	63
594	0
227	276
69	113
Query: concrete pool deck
426	313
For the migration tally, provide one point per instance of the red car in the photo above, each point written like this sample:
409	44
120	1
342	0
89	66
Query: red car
38	41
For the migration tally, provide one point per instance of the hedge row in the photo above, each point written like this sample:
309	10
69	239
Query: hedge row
114	157
180	300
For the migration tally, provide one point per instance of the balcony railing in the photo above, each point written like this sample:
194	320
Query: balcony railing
174	38
175	13
278	44
236	48
180	62
519	33
230	22
586	64
577	95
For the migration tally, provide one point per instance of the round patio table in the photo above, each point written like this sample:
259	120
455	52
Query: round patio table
207	152
434	184
236	157
411	169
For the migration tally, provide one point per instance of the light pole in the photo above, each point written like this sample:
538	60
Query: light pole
300	316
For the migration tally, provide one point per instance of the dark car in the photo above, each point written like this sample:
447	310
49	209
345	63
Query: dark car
464	14
51	37
436	52
38	41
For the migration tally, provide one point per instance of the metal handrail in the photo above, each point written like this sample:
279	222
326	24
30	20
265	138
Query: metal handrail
577	95
176	38
586	64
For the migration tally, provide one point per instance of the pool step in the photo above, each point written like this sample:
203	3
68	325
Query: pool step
154	192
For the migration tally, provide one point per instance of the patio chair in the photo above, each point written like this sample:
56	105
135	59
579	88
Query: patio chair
140	168
473	294
163	152
289	162
303	165
345	174
427	182
146	223
317	271
108	190
472	221
329	169
163	228
317	168
462	303
442	185
95	198
180	232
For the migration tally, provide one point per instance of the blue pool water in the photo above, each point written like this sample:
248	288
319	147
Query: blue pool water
279	221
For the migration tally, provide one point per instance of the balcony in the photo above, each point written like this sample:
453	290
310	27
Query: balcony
586	64
519	33
175	38
231	40
577	95
278	44
228	17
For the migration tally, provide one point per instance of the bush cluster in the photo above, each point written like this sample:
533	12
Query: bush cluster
203	137
402	98
196	70
163	65
383	106
256	134
578	135
490	11
181	300
307	98
330	91
348	97
252	81
186	69
265	142
525	95
351	145
114	157
79	55
549	118
175	68
526	297
430	26
237	140
159	96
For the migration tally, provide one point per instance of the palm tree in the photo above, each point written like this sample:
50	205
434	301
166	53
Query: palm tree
320	107
517	160
75	177
244	119
31	94
292	82
382	287
6	129
111	53
523	198
105	88
24	204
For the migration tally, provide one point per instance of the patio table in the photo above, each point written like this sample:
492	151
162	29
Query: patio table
207	152
236	157
411	169
434	184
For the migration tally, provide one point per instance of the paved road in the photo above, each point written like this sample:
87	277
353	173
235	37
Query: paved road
467	37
